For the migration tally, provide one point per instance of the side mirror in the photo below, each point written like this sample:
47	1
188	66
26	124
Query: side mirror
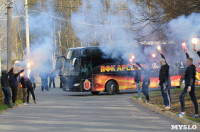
74	61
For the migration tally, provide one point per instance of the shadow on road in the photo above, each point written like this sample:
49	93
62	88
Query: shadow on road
124	92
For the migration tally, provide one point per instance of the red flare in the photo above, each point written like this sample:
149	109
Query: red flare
154	55
195	41
133	57
21	75
159	48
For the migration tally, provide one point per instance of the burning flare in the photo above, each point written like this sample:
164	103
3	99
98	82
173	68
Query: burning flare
133	57
195	41
29	64
21	75
184	46
153	55
159	48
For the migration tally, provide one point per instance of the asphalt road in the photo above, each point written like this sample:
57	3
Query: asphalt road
57	111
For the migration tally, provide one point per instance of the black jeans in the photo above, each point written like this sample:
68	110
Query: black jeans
145	89
14	94
192	96
34	85
30	90
7	95
52	81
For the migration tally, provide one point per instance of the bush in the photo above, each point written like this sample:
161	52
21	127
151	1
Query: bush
19	95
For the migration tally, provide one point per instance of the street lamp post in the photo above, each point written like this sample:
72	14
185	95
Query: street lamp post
9	33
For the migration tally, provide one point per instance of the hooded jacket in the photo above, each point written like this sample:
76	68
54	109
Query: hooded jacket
4	77
190	74
164	72
13	79
146	74
23	82
137	77
26	83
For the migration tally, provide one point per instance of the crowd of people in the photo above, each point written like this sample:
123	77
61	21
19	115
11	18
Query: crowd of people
165	83
11	80
45	84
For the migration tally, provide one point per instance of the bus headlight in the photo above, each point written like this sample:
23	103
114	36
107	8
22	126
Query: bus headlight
76	84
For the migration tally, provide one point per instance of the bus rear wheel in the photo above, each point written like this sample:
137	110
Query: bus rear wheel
95	93
111	87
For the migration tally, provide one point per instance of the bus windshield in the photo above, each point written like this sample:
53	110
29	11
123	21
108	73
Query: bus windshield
72	65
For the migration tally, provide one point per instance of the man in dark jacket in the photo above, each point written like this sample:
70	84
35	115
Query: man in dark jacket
32	79
137	79
14	84
26	83
146	81
52	76
5	86
169	80
30	89
44	81
24	89
163	77
190	74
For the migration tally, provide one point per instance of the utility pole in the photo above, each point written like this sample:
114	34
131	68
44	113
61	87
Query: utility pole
54	46
27	40
9	33
71	13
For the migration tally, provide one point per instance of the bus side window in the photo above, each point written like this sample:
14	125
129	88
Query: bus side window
84	70
90	66
198	64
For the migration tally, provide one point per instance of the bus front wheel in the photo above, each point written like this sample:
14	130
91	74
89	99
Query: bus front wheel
111	87
95	93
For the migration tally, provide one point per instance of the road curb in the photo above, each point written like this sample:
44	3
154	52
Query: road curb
169	114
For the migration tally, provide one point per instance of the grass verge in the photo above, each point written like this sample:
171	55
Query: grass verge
5	107
157	100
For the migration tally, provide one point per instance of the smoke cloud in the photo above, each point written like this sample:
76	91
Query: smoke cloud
41	28
183	29
107	25
117	26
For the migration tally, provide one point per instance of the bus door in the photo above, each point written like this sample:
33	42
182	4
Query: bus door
86	71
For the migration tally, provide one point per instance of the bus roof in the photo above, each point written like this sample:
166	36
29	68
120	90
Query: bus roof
95	47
